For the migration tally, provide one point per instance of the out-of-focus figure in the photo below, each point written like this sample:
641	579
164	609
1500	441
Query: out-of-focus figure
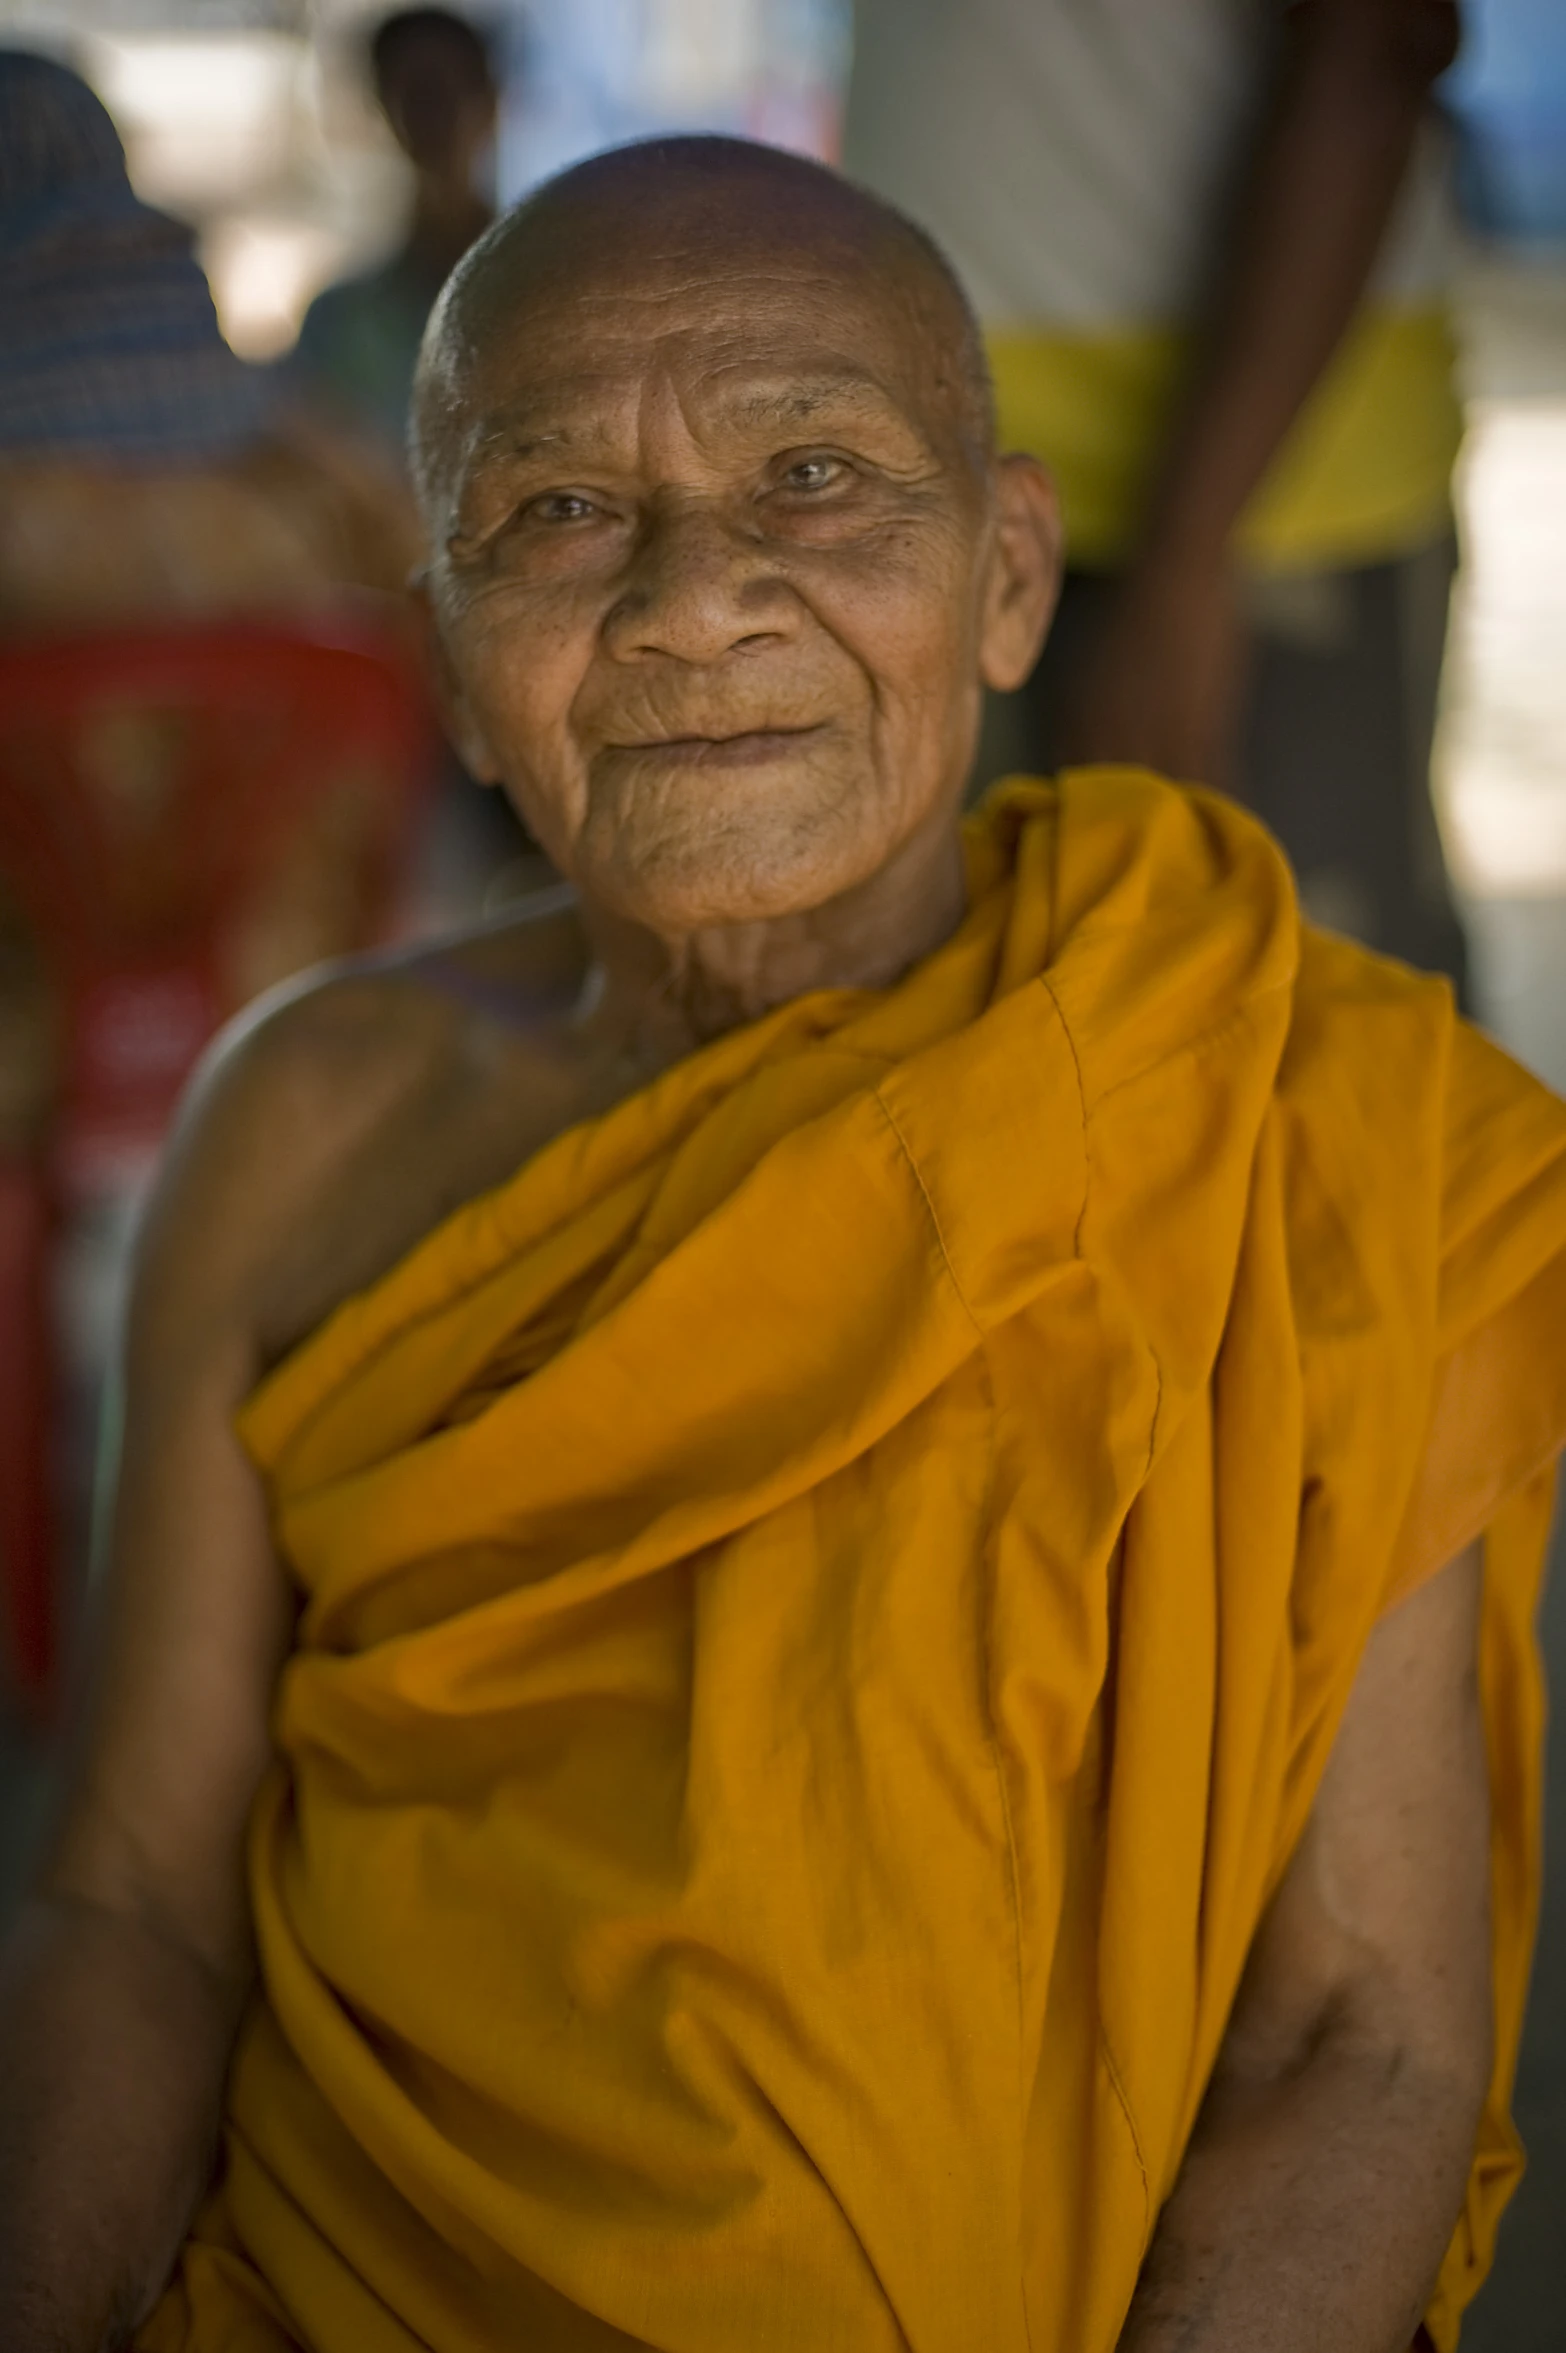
148	477
210	752
1209	244
353	367
146	473
436	88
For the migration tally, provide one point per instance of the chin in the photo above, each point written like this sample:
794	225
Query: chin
730	859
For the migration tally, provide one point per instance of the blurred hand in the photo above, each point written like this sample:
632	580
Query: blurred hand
1161	683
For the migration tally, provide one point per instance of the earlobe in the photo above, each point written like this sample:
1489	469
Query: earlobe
1025	568
456	717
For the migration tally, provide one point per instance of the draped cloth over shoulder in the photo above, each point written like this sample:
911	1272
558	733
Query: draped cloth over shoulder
826	1600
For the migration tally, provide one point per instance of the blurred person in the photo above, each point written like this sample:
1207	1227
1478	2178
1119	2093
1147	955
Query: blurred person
823	1506
435	85
146	473
149	479
353	368
1209	244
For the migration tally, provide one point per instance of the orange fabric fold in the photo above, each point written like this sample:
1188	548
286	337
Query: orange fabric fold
826	1600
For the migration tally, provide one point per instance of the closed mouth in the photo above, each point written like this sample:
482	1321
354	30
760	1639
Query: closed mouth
751	743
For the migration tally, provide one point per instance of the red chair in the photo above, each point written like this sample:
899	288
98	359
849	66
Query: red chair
185	817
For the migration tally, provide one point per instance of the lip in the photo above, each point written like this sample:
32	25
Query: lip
748	749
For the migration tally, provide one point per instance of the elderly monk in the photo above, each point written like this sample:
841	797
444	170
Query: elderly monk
854	1513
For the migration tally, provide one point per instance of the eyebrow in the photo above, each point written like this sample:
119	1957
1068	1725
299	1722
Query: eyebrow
796	399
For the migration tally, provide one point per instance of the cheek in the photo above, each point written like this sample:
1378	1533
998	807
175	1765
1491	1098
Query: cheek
518	664
910	620
520	669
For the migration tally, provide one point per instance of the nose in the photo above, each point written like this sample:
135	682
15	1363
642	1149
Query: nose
698	587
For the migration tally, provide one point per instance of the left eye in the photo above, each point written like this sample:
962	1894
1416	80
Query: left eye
813	474
561	506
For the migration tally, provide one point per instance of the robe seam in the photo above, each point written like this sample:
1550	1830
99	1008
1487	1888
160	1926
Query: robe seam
1106	2050
986	1655
998	1767
1122	2098
1079	1221
1243	1012
1085	1122
890	1116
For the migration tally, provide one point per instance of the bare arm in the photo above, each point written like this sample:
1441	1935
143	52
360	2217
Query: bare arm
123	1983
323	1144
1307	224
1328	2168
122	1988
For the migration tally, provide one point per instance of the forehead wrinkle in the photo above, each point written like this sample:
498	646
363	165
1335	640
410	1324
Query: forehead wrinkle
594	244
701	283
559	414
499	440
792	399
733	390
719	306
498	436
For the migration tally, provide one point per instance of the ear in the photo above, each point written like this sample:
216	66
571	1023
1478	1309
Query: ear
1024	572
456	715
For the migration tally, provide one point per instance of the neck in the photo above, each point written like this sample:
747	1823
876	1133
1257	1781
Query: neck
653	996
447	218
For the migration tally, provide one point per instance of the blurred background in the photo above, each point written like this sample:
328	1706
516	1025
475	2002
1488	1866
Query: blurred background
217	760
257	122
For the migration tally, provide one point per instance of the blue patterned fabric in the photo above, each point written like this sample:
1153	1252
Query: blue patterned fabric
109	344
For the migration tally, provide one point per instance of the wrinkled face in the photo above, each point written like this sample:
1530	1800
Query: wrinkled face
718	582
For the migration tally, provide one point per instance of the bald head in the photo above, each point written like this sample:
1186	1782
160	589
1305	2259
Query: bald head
699	211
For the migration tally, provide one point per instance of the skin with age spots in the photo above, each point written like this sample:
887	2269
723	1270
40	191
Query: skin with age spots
721	559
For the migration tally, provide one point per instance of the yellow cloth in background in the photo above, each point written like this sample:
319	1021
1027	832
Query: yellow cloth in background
826	1601
1364	475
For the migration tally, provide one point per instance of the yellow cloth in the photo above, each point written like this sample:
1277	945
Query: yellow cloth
1364	475
826	1600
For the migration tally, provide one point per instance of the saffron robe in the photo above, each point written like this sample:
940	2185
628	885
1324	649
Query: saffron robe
826	1600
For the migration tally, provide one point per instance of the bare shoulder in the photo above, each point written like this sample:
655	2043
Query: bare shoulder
335	1124
325	1135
